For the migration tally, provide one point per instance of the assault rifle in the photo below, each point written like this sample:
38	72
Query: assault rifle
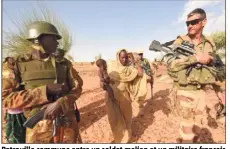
187	49
33	120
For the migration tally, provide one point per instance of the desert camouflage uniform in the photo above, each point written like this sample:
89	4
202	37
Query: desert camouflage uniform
188	98
30	97
14	118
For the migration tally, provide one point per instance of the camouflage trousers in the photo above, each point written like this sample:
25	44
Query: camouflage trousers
15	132
43	132
189	105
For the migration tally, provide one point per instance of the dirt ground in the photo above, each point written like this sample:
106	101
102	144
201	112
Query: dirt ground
158	125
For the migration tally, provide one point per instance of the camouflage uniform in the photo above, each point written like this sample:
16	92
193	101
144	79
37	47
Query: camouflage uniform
146	67
36	73
188	96
14	118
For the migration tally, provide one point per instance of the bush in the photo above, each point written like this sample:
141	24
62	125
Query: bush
219	39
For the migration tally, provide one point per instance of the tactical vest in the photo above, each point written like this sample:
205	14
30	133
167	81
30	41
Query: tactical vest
197	77
36	73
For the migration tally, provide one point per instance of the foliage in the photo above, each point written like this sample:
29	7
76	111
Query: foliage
14	42
69	57
219	39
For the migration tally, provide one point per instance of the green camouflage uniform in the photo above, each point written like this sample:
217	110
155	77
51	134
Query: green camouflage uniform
146	66
188	96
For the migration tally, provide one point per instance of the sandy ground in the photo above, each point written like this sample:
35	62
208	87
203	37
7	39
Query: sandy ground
157	125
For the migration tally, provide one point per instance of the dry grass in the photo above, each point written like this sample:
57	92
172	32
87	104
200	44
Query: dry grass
14	42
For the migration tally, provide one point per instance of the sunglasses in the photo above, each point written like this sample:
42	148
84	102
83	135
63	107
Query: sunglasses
193	22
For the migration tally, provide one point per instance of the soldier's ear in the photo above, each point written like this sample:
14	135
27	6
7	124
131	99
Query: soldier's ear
204	22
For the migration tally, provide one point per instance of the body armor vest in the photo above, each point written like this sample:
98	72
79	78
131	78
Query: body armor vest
36	73
201	76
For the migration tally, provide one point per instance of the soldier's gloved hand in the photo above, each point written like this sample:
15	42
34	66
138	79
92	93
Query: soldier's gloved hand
203	58
56	89
53	110
53	89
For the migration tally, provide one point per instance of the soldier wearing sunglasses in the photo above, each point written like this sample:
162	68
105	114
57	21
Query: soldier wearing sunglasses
188	95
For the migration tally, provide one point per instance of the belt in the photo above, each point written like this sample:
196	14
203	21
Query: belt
14	111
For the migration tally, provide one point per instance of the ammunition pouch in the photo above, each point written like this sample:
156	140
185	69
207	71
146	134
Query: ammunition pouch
197	77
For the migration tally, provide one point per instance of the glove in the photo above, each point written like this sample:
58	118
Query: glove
53	110
56	89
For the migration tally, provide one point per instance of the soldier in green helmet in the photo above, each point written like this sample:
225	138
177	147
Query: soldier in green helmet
49	84
188	94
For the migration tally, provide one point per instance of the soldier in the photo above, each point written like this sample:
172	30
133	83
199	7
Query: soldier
14	130
48	82
145	63
188	93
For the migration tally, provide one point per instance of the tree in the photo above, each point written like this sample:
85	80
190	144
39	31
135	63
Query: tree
219	39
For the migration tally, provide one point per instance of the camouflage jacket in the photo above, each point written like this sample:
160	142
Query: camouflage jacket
206	45
177	68
28	98
146	66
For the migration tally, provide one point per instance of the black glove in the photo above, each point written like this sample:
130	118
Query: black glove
54	89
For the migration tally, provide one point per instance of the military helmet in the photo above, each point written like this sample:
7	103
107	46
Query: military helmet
140	51
39	28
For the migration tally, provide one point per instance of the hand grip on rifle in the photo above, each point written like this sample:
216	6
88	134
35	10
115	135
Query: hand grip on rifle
54	91
32	121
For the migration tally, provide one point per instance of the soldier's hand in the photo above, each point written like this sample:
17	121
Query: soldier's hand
203	58
56	89
53	110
